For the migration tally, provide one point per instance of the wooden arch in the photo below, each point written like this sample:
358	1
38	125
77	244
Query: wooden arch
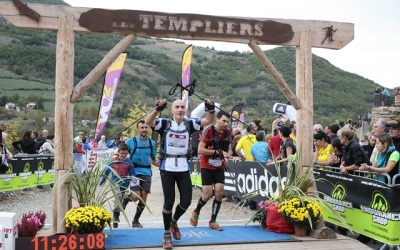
304	34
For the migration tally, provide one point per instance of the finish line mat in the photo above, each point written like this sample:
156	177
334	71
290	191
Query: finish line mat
193	236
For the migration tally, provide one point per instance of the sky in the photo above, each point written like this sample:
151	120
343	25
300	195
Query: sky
373	54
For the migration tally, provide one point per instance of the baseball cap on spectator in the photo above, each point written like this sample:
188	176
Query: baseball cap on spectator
80	133
395	124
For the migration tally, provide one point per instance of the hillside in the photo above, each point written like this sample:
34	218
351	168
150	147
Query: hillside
27	66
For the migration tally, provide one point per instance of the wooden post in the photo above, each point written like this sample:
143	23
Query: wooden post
63	157
304	91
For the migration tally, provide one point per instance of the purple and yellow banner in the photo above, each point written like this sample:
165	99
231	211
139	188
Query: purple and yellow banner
110	88
241	118
235	115
186	65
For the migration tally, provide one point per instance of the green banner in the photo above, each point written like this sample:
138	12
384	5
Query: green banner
28	171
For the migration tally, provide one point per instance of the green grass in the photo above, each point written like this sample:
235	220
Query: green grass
25	93
7	74
23	84
48	105
87	104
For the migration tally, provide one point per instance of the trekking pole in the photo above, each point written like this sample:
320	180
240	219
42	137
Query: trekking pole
172	92
190	89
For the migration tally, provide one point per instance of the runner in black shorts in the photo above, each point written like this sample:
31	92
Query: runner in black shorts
215	149
174	167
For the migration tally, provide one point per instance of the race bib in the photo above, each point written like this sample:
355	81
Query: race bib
134	183
215	162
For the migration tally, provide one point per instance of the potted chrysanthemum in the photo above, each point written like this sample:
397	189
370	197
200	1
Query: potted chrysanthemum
88	219
303	213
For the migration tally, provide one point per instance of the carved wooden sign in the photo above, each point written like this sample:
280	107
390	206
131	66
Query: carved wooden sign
181	26
155	23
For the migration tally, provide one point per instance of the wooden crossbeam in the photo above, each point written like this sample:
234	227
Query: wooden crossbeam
157	24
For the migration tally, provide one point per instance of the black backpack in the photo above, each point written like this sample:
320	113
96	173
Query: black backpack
218	143
136	147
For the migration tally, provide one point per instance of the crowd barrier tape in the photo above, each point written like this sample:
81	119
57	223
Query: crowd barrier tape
369	207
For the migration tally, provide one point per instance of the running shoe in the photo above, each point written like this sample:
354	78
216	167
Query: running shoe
194	219
176	234
136	224
215	226
115	220
167	242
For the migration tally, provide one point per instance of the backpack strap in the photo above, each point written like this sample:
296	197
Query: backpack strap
162	154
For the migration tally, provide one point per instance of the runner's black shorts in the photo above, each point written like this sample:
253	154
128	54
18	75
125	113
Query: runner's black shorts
144	183
209	177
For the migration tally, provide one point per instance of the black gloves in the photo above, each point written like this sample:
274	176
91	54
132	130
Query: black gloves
209	107
160	108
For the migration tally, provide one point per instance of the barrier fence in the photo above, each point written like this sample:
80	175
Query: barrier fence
30	170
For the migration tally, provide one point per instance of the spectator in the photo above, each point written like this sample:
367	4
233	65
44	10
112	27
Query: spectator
48	146
293	129
102	144
259	150
245	143
114	143
394	132
369	148
27	144
323	150
287	147
386	160
317	127
353	154
78	158
5	155
336	159
79	136
334	128
378	128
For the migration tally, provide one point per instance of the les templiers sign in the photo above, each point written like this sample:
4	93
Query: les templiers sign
199	26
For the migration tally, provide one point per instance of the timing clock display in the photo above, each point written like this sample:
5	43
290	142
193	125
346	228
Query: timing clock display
62	242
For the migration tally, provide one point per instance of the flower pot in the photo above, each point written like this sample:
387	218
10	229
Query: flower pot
276	223
300	231
263	224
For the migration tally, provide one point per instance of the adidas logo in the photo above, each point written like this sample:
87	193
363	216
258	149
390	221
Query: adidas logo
280	109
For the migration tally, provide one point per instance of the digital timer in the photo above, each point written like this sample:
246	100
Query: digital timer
63	242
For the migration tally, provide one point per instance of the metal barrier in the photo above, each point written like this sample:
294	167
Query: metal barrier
361	173
395	178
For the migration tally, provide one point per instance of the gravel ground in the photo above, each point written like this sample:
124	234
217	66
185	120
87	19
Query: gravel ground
230	214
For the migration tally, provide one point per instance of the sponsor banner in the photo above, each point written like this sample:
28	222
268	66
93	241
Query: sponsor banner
186	66
38	169
109	89
369	207
95	155
235	113
28	171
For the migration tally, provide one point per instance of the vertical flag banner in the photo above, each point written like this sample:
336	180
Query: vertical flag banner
235	113
241	118
110	88
186	65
